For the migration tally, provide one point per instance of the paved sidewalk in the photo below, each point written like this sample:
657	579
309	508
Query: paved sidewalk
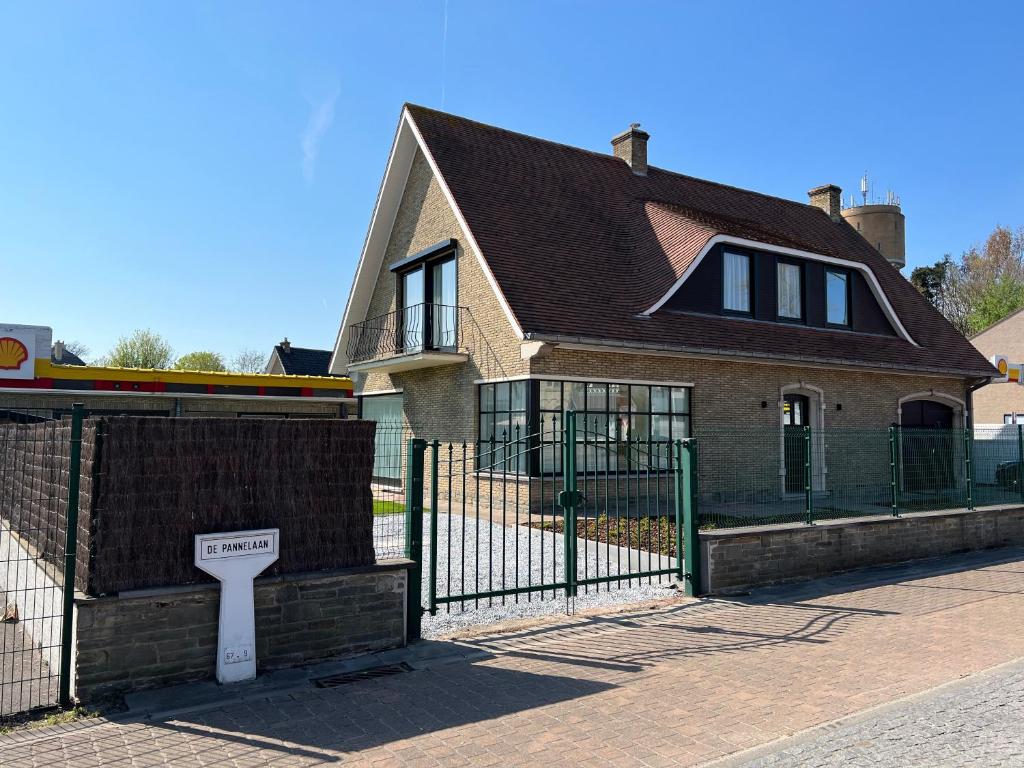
974	722
678	684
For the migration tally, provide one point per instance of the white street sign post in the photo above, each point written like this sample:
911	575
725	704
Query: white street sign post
235	559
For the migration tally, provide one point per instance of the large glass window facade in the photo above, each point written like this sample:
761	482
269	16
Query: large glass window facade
503	432
609	414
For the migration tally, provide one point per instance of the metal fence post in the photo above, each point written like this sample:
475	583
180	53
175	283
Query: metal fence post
414	537
1020	460
968	470
569	500
432	586
808	477
894	473
691	540
680	503
70	555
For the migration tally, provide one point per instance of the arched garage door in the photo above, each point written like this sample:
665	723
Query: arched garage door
929	446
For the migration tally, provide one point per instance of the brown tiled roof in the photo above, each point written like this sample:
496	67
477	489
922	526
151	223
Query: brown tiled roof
580	245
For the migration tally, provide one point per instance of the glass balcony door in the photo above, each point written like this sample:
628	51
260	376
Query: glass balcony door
443	330
412	325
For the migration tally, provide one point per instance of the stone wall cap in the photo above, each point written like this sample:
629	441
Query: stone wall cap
756	530
382	566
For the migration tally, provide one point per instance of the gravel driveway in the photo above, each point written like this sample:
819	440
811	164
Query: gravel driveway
484	558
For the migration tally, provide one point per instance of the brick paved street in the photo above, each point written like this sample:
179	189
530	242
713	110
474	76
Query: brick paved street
679	684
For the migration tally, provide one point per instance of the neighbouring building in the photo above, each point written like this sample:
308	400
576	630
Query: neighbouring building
40	379
1002	401
505	278
299	361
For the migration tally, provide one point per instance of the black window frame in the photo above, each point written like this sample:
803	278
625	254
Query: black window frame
800	264
544	424
751	277
491	447
426	263
849	296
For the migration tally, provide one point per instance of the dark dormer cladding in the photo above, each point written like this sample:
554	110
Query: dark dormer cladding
776	288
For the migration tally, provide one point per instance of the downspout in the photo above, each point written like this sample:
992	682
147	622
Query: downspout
978	384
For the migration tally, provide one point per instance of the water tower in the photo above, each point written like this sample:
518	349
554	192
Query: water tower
880	222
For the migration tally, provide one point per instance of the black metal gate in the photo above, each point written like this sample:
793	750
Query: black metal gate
40	466
569	507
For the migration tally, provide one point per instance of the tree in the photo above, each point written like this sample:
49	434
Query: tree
203	360
77	348
249	361
931	281
981	287
143	349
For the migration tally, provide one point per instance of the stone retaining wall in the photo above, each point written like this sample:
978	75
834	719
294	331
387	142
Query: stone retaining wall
740	558
150	638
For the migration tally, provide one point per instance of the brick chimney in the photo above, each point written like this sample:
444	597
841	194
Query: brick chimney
828	198
286	346
631	146
58	350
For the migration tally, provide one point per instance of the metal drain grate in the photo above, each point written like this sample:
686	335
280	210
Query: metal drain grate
347	678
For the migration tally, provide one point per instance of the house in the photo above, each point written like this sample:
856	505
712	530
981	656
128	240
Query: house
59	355
505	278
298	361
1002	401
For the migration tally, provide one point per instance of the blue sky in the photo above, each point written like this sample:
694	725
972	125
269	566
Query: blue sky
208	170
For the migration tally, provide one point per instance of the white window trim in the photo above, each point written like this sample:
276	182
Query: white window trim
817	398
872	281
379	392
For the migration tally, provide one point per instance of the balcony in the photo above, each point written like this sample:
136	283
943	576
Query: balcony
419	336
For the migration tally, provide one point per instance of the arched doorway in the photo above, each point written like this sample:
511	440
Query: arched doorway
801	405
929	445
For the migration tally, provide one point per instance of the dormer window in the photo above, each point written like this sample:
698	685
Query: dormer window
790	291
736	282
837	297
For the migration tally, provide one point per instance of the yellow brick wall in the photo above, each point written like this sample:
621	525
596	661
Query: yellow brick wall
991	402
436	398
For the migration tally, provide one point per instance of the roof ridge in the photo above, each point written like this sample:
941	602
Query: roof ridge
603	155
307	349
607	156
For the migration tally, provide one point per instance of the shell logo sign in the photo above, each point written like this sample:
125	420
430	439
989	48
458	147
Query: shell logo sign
1008	372
19	346
12	353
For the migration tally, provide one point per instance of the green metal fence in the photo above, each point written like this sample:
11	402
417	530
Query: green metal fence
39	488
757	476
551	514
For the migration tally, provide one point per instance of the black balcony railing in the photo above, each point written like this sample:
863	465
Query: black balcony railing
406	331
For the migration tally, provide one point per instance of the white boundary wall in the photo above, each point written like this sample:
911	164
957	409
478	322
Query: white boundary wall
985	462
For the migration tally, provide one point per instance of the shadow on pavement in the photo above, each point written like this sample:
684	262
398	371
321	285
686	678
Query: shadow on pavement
377	712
